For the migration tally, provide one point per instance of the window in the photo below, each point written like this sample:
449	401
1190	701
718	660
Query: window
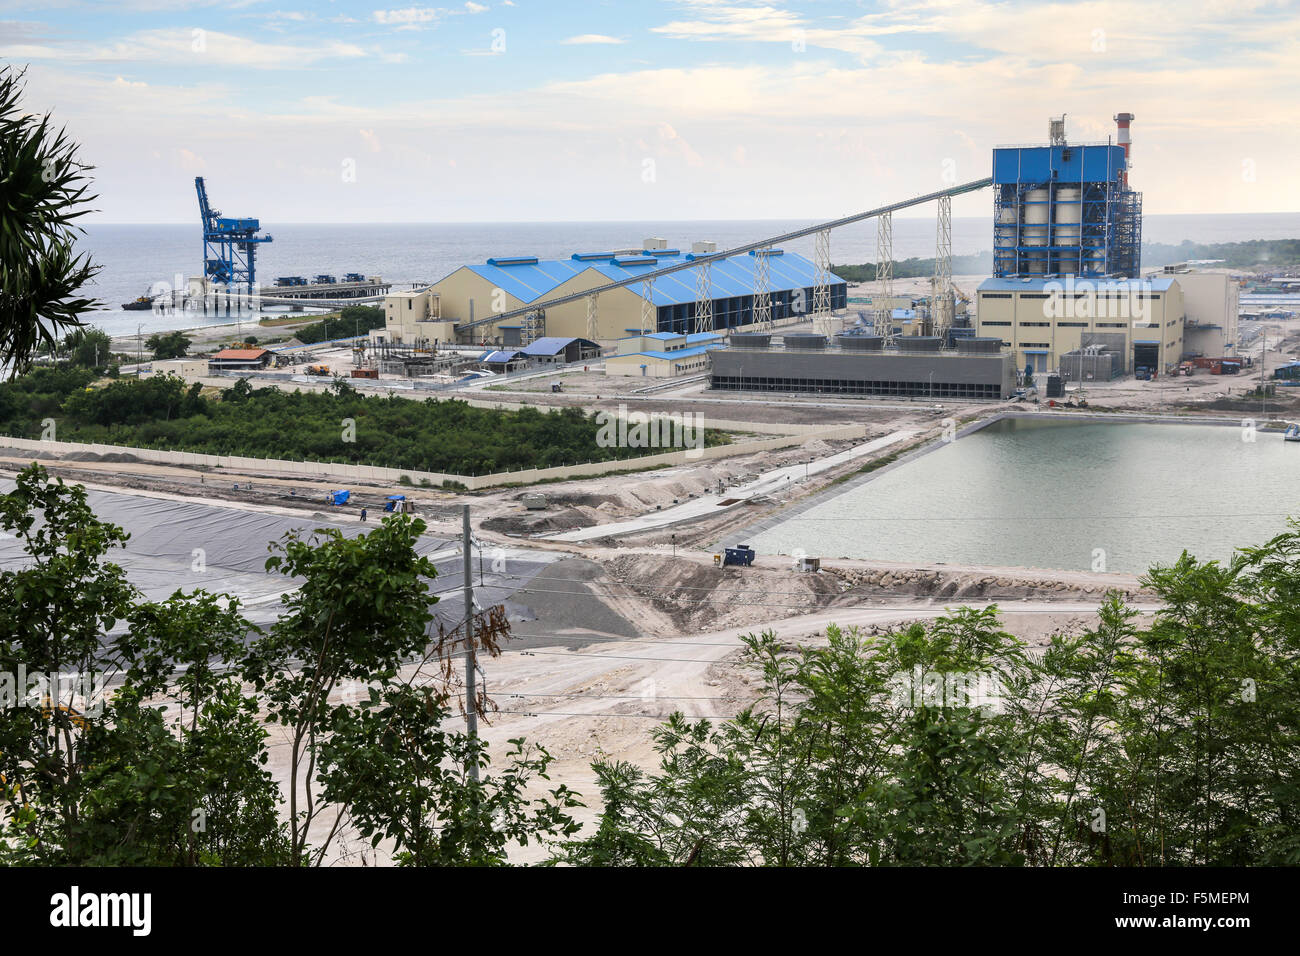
1007	324
1034	325
1071	325
995	295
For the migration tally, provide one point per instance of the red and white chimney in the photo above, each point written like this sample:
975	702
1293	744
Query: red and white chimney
1122	121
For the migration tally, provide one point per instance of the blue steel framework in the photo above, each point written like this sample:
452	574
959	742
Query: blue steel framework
229	246
1109	223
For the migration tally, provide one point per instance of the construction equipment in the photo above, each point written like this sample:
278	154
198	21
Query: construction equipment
229	246
318	370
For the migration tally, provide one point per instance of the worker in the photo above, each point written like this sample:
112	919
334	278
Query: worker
363	514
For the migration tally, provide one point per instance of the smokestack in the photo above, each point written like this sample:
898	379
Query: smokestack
1122	121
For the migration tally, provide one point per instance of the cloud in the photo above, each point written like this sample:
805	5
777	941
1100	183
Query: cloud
408	16
473	7
585	38
191	47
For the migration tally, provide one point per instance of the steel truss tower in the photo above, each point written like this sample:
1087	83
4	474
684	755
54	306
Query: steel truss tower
763	289
593	328
648	323
821	282
703	298
941	302
885	276
534	327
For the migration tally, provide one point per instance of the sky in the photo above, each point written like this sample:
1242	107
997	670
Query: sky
579	110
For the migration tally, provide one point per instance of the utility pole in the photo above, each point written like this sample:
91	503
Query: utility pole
139	349
1263	380
471	694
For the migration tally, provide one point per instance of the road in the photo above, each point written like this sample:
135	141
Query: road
765	483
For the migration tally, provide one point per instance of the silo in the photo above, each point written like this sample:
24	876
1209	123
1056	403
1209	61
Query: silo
804	340
1034	231
1067	214
1004	235
860	343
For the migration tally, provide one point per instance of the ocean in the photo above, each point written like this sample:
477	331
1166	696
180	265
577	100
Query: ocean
135	257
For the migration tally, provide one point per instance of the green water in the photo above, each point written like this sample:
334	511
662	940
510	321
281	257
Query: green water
1066	495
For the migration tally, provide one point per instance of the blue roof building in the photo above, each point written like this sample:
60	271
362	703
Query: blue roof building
503	284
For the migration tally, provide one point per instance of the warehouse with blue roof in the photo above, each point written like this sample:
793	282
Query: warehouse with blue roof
506	283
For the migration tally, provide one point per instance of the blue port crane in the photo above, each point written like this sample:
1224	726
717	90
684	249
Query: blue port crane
229	246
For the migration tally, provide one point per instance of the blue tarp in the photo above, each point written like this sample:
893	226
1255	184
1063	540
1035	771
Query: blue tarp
340	497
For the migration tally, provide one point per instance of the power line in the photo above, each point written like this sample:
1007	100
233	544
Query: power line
503	693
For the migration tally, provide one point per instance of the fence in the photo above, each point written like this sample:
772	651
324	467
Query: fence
373	474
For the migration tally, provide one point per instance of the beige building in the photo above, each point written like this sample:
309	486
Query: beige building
1039	319
184	368
663	354
414	318
1211	300
460	306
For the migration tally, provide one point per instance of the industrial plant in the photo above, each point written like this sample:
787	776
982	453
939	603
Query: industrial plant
1067	296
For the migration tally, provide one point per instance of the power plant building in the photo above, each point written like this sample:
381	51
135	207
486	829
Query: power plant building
1040	320
473	293
1067	239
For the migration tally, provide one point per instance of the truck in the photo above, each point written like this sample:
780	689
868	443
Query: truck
1142	373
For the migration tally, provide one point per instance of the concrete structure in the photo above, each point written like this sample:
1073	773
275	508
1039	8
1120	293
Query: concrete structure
1042	319
505	284
1211	300
663	354
187	369
864	371
414	318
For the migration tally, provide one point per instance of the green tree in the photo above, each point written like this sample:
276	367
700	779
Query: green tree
168	345
88	780
88	347
43	190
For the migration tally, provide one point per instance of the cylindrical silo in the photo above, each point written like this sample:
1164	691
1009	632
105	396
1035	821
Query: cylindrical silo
1033	232
1066	215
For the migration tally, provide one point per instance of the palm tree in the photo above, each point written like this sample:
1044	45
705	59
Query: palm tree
43	188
